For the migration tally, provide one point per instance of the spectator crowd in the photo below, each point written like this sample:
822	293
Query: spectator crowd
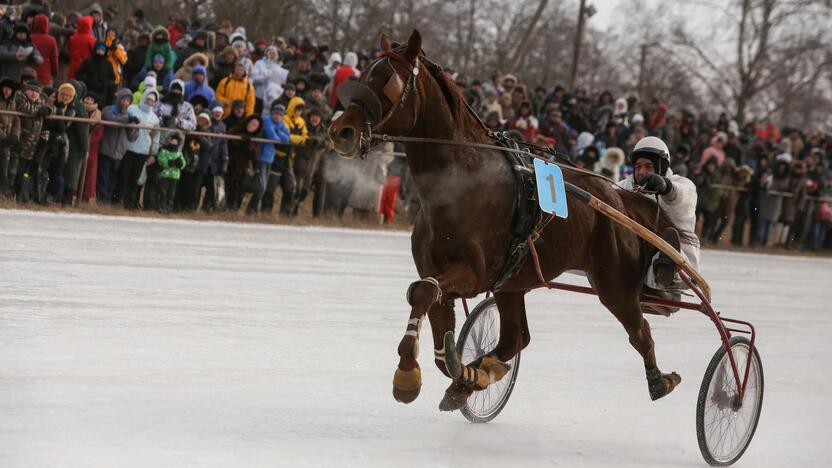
201	96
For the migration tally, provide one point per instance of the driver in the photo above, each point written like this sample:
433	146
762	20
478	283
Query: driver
677	197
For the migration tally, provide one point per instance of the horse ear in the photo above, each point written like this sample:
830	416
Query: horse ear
414	45
384	42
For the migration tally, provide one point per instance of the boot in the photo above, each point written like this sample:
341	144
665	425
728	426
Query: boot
664	268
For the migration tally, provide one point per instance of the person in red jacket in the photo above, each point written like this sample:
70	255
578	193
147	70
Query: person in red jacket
48	48
80	44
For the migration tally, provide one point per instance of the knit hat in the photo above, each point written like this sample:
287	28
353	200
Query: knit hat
218	109
204	116
94	96
159	58
32	86
150	82
278	108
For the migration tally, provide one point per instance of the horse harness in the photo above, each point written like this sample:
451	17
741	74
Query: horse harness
528	220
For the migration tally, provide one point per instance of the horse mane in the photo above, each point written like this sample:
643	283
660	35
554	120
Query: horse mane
453	97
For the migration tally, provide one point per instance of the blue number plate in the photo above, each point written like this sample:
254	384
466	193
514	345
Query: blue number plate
551	191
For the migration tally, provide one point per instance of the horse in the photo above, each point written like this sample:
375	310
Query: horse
464	231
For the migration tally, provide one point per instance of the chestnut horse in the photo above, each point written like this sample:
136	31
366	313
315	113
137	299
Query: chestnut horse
463	233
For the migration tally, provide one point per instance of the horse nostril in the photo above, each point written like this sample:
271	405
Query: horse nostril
346	134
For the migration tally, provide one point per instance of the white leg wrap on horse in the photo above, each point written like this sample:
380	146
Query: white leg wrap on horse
439	354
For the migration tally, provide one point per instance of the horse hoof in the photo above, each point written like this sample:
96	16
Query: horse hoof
660	384
407	384
455	397
406	396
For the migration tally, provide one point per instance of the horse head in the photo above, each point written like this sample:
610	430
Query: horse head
384	100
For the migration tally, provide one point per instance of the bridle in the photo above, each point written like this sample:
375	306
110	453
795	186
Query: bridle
395	90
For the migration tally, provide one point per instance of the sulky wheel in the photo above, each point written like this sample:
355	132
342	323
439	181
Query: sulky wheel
478	337
724	425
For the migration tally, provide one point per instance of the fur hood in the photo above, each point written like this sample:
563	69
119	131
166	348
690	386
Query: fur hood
613	158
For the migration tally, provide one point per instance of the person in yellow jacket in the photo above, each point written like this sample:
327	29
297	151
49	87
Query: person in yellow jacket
294	121
236	86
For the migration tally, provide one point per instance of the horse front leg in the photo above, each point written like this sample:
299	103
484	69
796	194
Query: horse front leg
434	295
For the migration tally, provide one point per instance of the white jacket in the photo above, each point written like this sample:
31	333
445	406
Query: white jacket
680	206
267	73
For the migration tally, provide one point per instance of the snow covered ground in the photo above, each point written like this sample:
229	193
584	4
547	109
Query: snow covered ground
142	342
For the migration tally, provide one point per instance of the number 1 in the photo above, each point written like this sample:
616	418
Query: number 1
551	179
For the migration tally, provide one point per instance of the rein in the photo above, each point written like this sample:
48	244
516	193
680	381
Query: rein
565	163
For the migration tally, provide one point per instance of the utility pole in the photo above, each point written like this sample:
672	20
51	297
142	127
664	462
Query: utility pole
642	64
641	61
584	12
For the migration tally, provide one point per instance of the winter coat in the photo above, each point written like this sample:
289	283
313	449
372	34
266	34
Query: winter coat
186	71
273	131
295	123
612	160
12	67
135	63
267	72
342	74
182	117
171	162
192	88
147	141
771	204
231	89
9	124
48	48
98	29
241	154
708	195
680	206
79	139
30	127
195	150
216	158
117	57
80	45
163	49
797	187
114	141
97	73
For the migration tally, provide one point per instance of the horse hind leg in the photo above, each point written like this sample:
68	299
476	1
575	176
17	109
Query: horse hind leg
638	329
491	367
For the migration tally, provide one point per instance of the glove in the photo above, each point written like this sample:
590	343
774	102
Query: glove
656	184
43	112
133	119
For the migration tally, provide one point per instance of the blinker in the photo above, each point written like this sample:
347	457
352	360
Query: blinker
361	94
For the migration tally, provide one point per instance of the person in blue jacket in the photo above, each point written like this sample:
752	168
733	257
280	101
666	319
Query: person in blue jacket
273	129
198	86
